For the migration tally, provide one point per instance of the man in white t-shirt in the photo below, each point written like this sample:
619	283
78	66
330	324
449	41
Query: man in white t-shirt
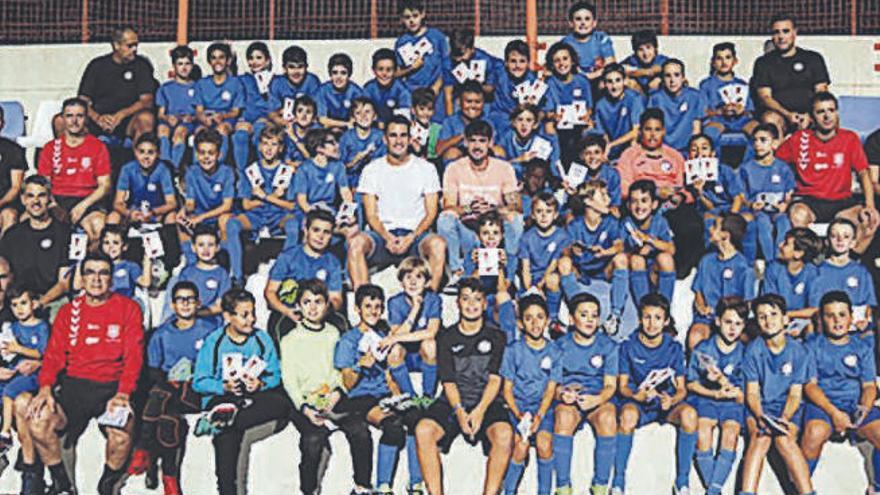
401	197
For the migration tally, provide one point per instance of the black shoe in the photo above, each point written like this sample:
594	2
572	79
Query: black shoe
151	481
57	491
32	483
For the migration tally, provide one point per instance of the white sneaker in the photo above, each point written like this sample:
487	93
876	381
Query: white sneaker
682	491
616	491
612	324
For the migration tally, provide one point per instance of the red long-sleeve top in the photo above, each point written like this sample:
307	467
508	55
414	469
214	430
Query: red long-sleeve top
102	343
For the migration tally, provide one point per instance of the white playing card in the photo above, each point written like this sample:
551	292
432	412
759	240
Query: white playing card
6	336
461	72
488	261
254	366
860	312
655	378
282	177
538	89
232	365
568	117
287	110
522	92
403	112
631	229
524	426
542	148
796	325
478	70
407	54
153	245
419	134
369	343
577	174
709	168
740	92
705	361
692	169
776	426
263	78
423	47
254	176
346	213
79	241
115	417
726	93
580	110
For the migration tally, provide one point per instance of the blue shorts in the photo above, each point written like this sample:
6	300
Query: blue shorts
189	126
796	420
413	359
705	320
273	222
719	410
814	412
380	257
735	124
584	421
20	384
650	413
546	422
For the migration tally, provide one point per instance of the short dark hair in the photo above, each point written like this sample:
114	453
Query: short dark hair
223	47
305	100
558	47
644	185
258	46
399	120
835	296
472	283
612	68
673	61
517	46
823	96
523	108
774	300
315	139
118	32
315	286
735	226
723	46
491	217
590	140
581	6
478	127
208	135
206	229
234	297
274	131
652	114
699	136
97	256
643	37
185	285
117	229
319	214
75	101
38	180
547	198
583	298
807	241
657	300
768	128
732	303
417	5
181	51
530	300
384	54
470	86
783	16
423	97
459	41
340	59
18	290
295	54
147	137
368	291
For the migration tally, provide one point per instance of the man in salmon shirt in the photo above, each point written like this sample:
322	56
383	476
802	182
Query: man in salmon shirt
78	165
823	159
97	340
652	160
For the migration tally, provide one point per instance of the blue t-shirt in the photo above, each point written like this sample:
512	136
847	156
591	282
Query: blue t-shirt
774	178
143	189
399	308
723	191
541	250
730	364
320	184
593	51
638	360
208	375
281	89
372	381
268	212
209	190
494	66
513	147
295	264
220	98
611	177
336	104
351	144
505	101
34	336
840	370
566	93
588	365
388	100
170	345
212	284
717	278
657	227
615	118
636	62
679	111
794	288
434	62
176	98
530	370
775	373
711	86
852	278
257	105
125	275
603	236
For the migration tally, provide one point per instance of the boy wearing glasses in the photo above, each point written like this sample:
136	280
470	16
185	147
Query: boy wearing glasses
320	179
336	96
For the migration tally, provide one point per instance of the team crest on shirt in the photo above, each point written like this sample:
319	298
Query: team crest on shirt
665	166
851	360
603	236
577	92
551	247
151	187
799	288
684	107
121	272
546	363
798	66
113	331
85	162
728	369
321	275
34	340
191	92
775	179
839	159
596	361
225	96
346	103
329	178
217	187
457	348
852	282
623	112
198	344
127	75
46	243
422	321
211	283
391	103
787	368
728	273
484	347
719	189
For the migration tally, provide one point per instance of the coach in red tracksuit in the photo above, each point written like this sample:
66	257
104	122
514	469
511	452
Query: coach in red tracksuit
97	340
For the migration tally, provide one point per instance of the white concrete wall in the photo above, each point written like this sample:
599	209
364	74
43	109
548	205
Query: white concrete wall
43	72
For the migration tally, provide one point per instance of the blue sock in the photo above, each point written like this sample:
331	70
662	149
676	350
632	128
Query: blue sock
684	452
562	449
165	148
621	458
706	465
603	453
233	247
511	479
400	374
875	462
429	379
224	149
241	148
545	476
412	461
618	291
387	460
723	466
639	284
554	300
812	463
666	284
291	232
177	152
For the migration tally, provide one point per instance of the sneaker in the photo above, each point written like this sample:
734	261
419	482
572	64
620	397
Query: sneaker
204	427
32	483
151	480
140	462
598	490
417	489
422	401
57	491
564	490
617	491
6	443
396	403
171	485
452	284
681	491
612	324
384	489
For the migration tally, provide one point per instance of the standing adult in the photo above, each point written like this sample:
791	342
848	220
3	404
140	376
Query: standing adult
94	357
12	167
787	77
401	199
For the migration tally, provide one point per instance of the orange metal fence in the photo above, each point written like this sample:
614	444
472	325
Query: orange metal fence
67	21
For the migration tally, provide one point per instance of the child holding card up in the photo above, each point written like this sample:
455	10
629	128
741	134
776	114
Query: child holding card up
729	108
525	142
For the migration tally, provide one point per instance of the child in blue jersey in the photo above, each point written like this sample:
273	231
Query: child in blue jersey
424	67
366	368
335	97
145	189
531	368
540	248
586	391
257	103
362	143
617	113
257	397
471	105
211	278
683	107
295	83
654	349
775	368
304	119
647	241
516	73
127	275
535	181
424	140
644	66
596	251
176	103
842	271
591	154
490	236
463	53
30	335
219	96
594	48
793	273
716	197
171	356
569	90
723	272
389	95
768	184
322	179
717	388
722	116
270	212
840	385
522	142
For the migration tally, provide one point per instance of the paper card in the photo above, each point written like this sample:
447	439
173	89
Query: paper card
282	177
567	117
153	245
254	366
408	54
580	110
403	112
423	47
709	168
287	110
524	426
740	93
369	343
771	199
726	93
419	134
182	371
655	378
79	243
577	174
705	361
478	70
6	336
461	72
775	425
796	326
263	78
542	148
232	366
255	177
346	214
116	417
859	416
488	262
537	91
633	232
522	92
692	171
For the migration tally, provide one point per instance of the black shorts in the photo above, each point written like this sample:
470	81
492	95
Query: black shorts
82	400
67	203
444	415
824	209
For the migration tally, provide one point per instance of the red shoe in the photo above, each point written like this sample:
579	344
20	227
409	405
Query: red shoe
172	487
140	462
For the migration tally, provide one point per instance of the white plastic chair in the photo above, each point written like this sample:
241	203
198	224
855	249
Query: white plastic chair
41	130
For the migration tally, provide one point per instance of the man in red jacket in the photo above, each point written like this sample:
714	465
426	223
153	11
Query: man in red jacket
97	340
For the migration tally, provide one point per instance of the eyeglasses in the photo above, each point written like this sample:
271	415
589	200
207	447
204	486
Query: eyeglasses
185	299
